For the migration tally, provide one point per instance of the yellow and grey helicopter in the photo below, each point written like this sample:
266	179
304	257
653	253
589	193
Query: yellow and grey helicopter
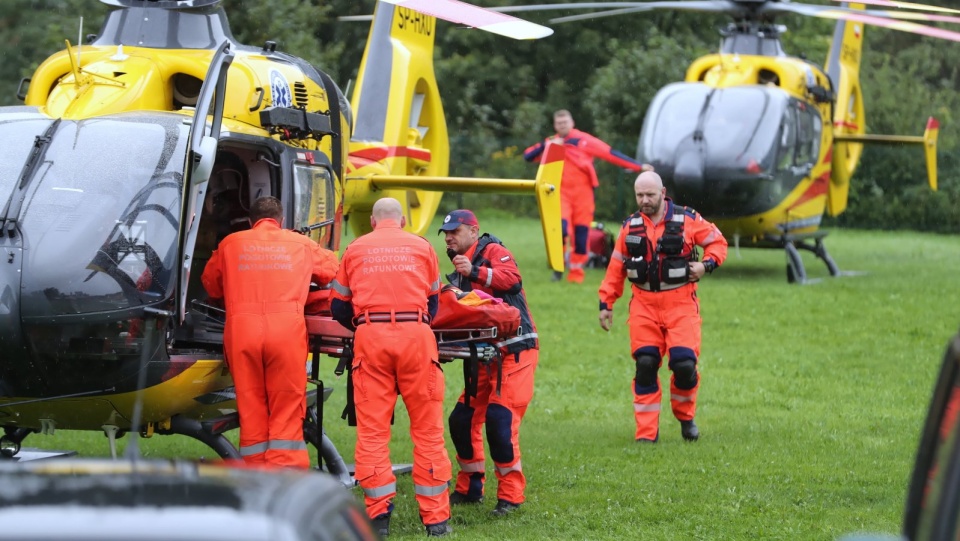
132	155
760	142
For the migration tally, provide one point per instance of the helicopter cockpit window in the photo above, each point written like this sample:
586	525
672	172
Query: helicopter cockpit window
788	139
102	214
314	204
809	130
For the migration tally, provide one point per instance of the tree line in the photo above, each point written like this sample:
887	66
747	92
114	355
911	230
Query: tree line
499	94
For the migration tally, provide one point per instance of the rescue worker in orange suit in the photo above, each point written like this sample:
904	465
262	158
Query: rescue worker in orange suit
263	276
483	263
578	183
656	252
388	290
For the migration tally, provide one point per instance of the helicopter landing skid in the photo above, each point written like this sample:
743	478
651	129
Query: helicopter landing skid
812	242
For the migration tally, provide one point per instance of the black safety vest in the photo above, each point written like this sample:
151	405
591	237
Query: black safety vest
526	337
666	265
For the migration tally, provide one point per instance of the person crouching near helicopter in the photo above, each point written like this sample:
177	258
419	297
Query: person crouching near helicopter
388	289
656	251
263	276
483	263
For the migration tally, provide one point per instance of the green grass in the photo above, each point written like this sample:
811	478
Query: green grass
810	407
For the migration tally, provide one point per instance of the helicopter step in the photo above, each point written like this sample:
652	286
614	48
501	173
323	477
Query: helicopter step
792	243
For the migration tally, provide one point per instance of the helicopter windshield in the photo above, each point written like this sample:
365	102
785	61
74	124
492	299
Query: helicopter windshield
734	125
101	216
17	135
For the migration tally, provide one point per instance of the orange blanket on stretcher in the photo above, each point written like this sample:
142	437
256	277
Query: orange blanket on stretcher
457	310
475	310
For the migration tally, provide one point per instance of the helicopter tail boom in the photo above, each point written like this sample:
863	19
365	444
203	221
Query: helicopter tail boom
928	140
546	188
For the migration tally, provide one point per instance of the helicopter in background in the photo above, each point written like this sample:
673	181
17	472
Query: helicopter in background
761	143
133	155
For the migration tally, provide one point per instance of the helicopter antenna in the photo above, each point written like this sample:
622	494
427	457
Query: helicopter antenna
79	42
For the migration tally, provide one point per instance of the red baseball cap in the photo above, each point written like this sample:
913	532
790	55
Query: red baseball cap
457	218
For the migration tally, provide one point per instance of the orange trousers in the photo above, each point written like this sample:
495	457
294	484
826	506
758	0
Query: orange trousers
392	358
665	323
502	415
267	355
576	210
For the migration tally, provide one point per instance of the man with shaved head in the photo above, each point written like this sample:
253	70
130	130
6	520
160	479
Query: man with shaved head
387	290
657	252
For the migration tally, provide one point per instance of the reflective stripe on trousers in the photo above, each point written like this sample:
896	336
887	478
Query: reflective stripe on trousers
503	470
434	490
277	445
381	491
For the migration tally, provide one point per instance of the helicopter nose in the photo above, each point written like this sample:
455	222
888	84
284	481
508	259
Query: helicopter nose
688	174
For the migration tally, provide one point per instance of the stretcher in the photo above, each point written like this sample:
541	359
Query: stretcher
329	337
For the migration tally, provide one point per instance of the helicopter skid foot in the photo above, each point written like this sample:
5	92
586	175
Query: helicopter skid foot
792	244
110	431
210	434
11	440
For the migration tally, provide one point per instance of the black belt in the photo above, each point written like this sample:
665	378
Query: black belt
388	317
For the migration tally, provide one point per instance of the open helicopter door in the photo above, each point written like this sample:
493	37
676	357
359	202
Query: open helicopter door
200	159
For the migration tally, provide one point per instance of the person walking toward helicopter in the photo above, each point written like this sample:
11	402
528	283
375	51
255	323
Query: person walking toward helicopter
578	183
263	276
656	251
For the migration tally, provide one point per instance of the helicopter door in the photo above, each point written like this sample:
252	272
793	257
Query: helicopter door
203	152
314	198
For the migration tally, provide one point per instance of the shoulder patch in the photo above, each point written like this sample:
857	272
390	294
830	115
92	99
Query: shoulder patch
504	259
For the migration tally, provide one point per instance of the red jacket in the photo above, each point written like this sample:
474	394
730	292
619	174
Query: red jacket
581	148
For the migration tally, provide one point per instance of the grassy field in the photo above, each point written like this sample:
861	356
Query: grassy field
811	402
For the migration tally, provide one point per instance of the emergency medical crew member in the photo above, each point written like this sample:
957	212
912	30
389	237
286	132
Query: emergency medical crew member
656	251
263	275
483	263
388	289
578	183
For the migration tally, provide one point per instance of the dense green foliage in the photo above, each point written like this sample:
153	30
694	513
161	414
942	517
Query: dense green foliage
811	403
498	94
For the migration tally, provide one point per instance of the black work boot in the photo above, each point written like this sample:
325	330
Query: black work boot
689	430
439	529
381	525
504	508
557	276
459	498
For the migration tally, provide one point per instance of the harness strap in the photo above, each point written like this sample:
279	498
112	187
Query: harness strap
346	362
471	374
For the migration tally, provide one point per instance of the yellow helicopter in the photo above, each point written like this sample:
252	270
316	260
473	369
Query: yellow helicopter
762	143
134	154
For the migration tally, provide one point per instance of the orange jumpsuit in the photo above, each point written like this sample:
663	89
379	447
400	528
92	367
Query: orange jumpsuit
263	275
577	188
387	276
495	272
665	322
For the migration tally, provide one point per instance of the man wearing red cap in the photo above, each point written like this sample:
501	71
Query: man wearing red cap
388	289
483	263
578	183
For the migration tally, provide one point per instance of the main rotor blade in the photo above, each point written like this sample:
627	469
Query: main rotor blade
711	6
853	15
904	5
476	17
